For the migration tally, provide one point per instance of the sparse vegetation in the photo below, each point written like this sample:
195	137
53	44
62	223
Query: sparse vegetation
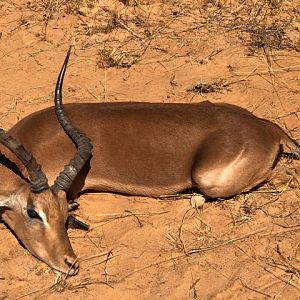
242	52
205	87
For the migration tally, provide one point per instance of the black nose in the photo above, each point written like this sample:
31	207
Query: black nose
73	265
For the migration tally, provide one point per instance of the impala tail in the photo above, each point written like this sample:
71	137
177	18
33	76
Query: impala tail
289	145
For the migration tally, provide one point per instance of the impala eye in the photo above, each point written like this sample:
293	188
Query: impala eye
33	214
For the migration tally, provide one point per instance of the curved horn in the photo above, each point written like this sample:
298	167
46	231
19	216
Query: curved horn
83	144
38	180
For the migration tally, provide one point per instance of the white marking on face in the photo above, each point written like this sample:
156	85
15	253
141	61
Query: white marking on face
44	218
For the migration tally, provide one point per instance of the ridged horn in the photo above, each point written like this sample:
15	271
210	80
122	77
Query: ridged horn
37	179
83	144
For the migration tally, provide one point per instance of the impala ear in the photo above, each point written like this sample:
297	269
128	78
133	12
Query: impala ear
9	200
4	202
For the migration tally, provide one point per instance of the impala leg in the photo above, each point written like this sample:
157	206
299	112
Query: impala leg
73	206
227	167
74	223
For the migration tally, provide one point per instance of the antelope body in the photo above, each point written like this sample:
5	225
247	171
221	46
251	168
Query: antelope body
146	149
157	149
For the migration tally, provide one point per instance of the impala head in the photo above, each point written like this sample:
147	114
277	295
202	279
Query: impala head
36	212
39	222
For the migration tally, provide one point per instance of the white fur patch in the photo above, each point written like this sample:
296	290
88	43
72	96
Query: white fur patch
4	201
9	201
44	218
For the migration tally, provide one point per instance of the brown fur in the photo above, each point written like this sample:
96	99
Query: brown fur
154	149
139	149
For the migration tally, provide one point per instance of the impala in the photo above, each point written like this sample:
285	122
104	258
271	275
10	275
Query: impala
147	149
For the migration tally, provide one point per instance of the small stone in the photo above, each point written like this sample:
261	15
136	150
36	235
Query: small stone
197	201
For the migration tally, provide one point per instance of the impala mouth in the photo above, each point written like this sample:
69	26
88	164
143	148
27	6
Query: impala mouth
70	267
73	266
69	264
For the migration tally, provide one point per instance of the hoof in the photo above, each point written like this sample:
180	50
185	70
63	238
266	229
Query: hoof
74	223
73	206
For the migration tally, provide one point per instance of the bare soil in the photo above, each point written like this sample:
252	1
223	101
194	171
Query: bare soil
241	52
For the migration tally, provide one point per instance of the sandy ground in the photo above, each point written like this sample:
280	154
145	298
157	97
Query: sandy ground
241	52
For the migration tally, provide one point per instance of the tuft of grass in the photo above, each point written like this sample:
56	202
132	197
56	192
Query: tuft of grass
175	241
210	87
269	36
115	57
267	24
246	210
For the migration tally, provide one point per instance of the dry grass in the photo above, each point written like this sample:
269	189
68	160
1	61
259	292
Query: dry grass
168	35
205	87
260	25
